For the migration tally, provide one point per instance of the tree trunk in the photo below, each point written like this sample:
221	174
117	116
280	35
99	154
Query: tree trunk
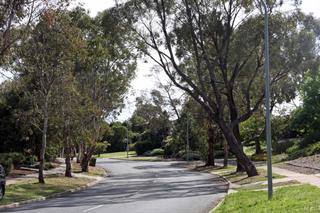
68	166
235	148
236	129
258	145
79	155
226	153
210	158
68	172
44	142
85	162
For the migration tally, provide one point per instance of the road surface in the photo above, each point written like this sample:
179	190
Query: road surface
139	187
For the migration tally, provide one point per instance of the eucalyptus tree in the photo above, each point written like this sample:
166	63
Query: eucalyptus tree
16	18
213	50
42	61
104	72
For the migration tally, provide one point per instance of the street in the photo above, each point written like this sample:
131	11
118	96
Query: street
139	187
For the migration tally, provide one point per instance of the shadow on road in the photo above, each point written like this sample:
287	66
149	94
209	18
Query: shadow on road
170	182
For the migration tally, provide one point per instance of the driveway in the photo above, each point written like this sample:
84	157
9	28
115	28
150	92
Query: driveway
140	187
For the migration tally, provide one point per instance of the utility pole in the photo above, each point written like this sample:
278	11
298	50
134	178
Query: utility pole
267	97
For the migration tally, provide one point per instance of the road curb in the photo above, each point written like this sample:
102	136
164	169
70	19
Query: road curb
223	199
60	194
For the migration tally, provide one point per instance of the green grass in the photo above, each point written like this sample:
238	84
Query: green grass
264	186
242	178
132	156
93	171
303	198
118	155
30	189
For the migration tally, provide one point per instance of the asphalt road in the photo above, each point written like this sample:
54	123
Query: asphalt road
140	187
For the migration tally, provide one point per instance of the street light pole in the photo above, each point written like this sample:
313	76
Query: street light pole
187	138
267	97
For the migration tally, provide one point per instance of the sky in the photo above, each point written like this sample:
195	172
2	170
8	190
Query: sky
144	80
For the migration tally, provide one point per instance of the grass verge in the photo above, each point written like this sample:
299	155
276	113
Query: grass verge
264	186
302	198
132	156
31	189
242	178
93	171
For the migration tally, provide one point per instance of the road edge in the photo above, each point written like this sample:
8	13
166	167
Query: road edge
223	199
55	195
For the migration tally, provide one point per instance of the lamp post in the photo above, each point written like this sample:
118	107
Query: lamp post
267	96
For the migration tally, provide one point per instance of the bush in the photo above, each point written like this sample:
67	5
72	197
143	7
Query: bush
283	145
192	156
15	157
156	152
143	146
310	138
30	160
52	152
101	147
259	157
7	165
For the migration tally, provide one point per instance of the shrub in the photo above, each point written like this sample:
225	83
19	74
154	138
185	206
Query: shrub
283	145
143	146
259	157
191	156
101	147
157	152
30	160
52	152
7	164
15	157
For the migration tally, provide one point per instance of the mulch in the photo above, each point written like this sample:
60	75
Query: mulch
304	165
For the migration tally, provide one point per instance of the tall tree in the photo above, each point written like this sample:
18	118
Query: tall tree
44	58
213	50
105	71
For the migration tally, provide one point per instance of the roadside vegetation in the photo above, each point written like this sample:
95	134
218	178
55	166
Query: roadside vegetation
302	198
71	75
31	189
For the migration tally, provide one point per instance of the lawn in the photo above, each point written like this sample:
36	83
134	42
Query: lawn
302	198
31	189
118	155
242	178
132	156
93	171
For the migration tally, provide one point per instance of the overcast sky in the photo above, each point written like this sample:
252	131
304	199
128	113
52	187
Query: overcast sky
143	81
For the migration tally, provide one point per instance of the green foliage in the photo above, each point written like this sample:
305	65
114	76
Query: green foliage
296	151
259	157
191	156
6	163
30	160
101	147
116	136
156	152
282	146
306	119
14	158
143	146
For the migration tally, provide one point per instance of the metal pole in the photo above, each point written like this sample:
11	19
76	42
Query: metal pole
267	98
187	138
127	148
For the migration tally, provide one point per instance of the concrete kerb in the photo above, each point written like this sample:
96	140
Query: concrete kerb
228	192
60	194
